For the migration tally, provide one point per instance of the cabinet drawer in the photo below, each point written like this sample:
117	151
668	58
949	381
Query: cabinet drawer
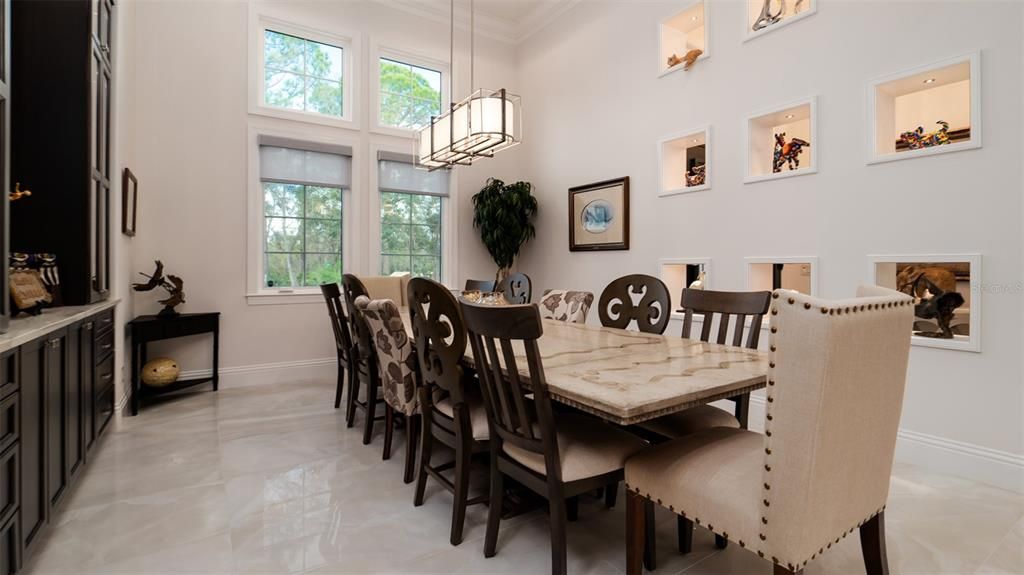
8	373
104	409
9	477
104	345
10	548
104	374
104	323
10	421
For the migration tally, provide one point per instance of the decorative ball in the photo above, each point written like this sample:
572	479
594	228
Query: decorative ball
160	372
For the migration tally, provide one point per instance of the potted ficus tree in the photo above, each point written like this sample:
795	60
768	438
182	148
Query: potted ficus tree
503	213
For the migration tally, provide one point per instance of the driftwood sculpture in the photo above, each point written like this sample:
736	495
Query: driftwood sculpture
174	286
907	279
938	305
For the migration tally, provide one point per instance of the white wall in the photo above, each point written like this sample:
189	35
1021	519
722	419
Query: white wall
593	100
189	134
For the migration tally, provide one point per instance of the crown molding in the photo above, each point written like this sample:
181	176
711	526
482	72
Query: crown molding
487	25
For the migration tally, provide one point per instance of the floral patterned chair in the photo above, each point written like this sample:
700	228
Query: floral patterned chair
399	375
566	305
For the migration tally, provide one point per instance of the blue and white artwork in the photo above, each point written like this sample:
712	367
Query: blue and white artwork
597	216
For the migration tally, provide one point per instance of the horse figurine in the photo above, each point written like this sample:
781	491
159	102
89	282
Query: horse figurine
787	152
917	139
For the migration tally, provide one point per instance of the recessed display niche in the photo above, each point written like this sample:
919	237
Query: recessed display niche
679	35
929	110
781	142
683	161
799	274
679	273
947	301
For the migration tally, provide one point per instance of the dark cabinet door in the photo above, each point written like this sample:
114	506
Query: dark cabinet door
34	500
73	422
5	154
56	380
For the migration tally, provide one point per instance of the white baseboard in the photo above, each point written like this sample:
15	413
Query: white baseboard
998	468
270	373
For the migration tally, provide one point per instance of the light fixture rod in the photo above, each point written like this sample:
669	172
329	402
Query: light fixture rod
472	46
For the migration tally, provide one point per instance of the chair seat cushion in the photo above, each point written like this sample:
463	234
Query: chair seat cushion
713	477
586	448
477	414
691	421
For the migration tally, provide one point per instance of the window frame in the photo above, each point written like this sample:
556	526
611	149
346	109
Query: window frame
402	57
449	231
260	22
351	206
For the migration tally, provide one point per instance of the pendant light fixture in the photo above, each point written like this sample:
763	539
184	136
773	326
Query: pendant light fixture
478	126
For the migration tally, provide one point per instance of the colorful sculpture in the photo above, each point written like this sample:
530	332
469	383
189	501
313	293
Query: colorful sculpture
695	176
917	139
689	58
787	152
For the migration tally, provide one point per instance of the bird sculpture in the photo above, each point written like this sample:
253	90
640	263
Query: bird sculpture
173	284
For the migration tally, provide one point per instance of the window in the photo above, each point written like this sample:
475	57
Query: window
303	75
303	189
409	94
411	203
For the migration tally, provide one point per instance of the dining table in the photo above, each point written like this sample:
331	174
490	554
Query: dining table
629	377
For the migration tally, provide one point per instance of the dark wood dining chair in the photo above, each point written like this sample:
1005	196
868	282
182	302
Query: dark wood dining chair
651	313
399	376
363	360
480	285
452	414
342	338
517	288
577	455
732	310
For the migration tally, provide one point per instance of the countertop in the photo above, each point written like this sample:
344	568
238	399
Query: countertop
24	328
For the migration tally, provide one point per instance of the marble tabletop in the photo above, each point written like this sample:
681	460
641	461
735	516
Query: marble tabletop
629	377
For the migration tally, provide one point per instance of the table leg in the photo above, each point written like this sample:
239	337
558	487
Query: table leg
135	379
216	357
742	409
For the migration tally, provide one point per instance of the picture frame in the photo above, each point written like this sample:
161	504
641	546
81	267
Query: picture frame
129	203
599	216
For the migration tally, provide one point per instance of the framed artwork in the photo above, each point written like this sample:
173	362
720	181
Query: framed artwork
599	216
947	296
129	202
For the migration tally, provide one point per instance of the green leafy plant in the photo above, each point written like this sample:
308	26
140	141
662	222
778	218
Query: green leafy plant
503	213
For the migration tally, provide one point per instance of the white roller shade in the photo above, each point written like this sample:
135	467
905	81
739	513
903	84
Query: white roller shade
396	173
286	161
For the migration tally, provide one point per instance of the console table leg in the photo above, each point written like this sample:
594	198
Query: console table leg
216	357
135	379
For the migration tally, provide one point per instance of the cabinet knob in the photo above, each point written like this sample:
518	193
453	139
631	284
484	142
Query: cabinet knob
87	326
106	346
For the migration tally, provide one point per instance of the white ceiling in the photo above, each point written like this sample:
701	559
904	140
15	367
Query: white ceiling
507	20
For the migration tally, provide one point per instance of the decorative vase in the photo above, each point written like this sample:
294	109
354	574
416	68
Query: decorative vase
160	372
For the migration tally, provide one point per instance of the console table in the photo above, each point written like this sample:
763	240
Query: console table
148	328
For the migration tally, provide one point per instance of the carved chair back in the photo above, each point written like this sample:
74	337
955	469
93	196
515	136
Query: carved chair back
517	288
339	321
440	336
726	305
480	285
616	307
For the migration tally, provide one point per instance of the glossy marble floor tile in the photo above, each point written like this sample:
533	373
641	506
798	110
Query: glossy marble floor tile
269	480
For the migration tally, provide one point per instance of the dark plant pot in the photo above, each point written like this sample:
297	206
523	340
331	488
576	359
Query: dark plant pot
168	313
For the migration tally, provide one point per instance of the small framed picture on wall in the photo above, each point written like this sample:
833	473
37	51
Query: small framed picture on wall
129	202
599	216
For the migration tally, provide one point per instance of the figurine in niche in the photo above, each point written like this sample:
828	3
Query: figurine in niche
766	18
688	59
700	281
787	153
18	193
174	286
937	304
908	279
917	139
695	176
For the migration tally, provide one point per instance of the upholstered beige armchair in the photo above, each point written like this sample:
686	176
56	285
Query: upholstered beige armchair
821	469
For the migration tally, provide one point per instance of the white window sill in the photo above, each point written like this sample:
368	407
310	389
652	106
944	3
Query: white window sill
285	298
